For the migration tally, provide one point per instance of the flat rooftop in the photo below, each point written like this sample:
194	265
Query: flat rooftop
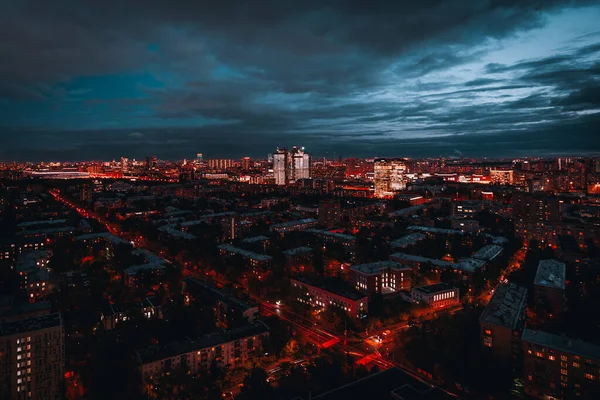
28	224
551	273
30	324
333	235
505	306
244	253
390	384
421	259
290	224
255	239
298	250
102	235
377	267
156	353
470	264
176	232
408	240
335	286
488	252
440	231
435	288
573	346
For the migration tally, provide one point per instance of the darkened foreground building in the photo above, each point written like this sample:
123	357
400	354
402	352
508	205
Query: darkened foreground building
32	357
557	367
503	320
391	384
228	348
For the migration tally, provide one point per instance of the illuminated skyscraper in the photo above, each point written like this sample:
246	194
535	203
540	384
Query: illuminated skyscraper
389	176
289	166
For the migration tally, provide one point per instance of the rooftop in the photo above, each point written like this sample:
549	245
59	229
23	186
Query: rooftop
551	273
488	252
408	240
244	253
406	211
377	267
298	250
421	259
390	384
562	343
255	239
470	264
435	288
30	324
435	230
156	353
102	235
334	235
176	232
335	286
505	306
46	222
290	224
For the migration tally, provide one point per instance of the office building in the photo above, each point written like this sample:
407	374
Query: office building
389	177
32	357
323	293
502	321
549	286
290	165
557	367
438	295
330	213
383	277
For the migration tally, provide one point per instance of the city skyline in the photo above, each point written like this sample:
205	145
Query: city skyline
395	79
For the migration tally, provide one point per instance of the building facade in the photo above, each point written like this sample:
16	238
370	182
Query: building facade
383	277
32	358
556	367
438	295
290	165
331	293
389	177
549	286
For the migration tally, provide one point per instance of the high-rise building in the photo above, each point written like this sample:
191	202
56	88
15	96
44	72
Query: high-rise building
389	177
199	158
549	286
150	163
246	163
32	357
502	176
290	165
330	213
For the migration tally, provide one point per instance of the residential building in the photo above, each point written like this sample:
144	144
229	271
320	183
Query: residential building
488	252
229	348
415	262
34	274
407	241
323	293
438	295
383	277
557	367
501	176
330	213
32	357
549	286
254	260
299	259
502	321
291	226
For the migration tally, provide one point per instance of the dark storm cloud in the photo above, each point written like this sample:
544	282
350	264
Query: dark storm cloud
248	75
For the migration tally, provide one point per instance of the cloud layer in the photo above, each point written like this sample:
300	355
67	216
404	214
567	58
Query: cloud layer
101	79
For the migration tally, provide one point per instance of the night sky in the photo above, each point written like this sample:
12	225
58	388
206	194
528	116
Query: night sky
98	79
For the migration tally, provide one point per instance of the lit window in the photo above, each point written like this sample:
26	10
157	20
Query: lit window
563	358
575	365
563	371
551	358
539	354
590	377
